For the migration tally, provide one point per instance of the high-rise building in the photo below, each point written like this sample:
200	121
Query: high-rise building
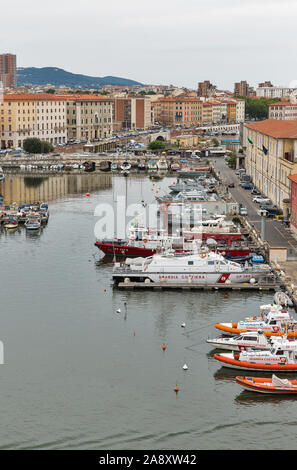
206	88
8	74
241	88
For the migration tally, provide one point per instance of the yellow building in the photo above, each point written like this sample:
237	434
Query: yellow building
89	117
271	157
32	115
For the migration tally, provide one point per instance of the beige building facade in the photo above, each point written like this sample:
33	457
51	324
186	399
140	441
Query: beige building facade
32	115
89	117
271	157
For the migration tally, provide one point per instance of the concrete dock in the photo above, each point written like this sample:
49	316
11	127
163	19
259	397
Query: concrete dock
191	287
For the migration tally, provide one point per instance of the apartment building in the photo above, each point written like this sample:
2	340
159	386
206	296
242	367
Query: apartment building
32	115
8	73
283	110
273	92
132	113
174	111
271	157
89	117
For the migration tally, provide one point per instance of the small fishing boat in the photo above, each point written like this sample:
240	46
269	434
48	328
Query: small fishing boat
281	357
162	164
33	222
275	385
126	166
152	165
272	323
12	223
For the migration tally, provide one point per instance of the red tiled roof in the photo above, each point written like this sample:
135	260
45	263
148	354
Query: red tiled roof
33	97
275	128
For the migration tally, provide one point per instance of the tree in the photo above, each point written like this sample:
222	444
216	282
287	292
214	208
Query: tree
257	108
215	142
232	160
34	145
51	91
157	145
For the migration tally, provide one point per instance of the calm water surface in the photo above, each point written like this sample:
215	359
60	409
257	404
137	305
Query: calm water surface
76	377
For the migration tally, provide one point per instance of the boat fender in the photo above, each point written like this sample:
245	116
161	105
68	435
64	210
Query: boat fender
203	255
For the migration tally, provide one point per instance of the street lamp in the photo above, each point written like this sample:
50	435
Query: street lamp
263	215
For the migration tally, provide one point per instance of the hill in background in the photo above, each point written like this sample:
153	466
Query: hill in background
57	77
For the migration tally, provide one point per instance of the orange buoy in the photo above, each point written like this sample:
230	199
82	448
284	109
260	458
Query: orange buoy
164	347
88	194
176	389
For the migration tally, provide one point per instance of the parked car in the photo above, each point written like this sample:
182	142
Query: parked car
271	210
247	186
231	185
243	211
261	200
256	192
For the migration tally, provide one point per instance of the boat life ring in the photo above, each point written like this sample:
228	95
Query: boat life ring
283	360
145	240
203	255
275	329
242	348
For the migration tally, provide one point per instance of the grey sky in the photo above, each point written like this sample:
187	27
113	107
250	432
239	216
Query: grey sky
157	41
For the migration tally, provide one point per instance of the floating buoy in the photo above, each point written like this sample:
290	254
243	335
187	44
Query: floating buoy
176	389
183	325
185	367
118	310
164	347
88	194
134	333
104	290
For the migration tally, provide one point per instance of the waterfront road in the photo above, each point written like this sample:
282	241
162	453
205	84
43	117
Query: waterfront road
276	234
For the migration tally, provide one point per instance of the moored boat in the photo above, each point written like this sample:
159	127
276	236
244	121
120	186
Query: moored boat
275	385
33	222
272	323
196	268
281	357
12	223
250	340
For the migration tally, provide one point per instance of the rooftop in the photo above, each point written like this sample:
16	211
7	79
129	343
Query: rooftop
275	128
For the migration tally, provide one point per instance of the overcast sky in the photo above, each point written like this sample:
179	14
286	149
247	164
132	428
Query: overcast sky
157	41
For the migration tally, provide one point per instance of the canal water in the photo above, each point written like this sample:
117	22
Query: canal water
79	375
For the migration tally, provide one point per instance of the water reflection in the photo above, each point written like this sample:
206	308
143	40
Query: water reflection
250	398
29	188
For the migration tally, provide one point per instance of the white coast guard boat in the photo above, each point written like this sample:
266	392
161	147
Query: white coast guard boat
196	268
